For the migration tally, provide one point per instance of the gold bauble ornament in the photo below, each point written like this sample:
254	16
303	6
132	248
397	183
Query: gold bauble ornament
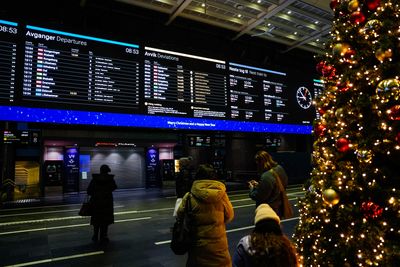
340	49
339	112
353	5
330	197
381	54
372	26
388	85
364	156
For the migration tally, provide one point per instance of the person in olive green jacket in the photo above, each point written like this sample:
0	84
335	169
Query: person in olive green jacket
212	210
267	190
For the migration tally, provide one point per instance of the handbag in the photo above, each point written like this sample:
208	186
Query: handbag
182	231
86	208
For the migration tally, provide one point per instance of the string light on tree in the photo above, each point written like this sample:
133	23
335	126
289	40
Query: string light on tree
350	215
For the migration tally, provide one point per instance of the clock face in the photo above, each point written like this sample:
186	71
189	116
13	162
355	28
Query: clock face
303	97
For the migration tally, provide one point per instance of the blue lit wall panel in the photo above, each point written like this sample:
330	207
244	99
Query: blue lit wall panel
44	115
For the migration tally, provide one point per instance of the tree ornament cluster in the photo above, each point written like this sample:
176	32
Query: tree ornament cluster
350	212
371	210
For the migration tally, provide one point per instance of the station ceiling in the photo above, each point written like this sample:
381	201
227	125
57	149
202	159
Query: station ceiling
298	24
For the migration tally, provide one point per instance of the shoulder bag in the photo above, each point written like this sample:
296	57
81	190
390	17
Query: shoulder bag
286	208
86	208
182	231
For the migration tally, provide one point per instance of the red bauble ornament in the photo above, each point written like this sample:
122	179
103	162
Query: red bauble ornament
371	210
342	145
349	53
328	71
322	110
320	66
334	3
394	113
357	17
372	4
320	130
343	87
398	138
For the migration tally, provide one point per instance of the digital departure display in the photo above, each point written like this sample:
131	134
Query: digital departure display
66	68
257	94
8	57
71	78
182	84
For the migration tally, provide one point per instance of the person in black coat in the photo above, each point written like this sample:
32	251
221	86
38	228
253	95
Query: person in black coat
100	189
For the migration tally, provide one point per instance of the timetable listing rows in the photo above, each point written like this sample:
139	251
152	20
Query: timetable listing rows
180	85
7	70
78	77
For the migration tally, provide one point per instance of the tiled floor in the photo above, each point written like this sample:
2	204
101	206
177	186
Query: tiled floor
143	218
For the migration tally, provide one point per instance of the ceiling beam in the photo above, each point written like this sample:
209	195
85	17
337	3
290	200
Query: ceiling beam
180	6
309	38
271	11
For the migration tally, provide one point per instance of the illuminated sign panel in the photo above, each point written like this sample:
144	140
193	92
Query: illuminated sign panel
66	68
182	84
70	78
257	94
8	57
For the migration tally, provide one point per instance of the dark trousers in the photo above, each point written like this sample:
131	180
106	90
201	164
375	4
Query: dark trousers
102	229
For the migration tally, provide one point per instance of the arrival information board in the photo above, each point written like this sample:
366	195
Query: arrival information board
183	84
8	56
66	68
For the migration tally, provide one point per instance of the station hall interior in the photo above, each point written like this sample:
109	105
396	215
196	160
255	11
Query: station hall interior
34	156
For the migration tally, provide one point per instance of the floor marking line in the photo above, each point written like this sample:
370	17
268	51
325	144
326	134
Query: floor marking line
57	259
41	207
243	206
229	231
68	226
44	212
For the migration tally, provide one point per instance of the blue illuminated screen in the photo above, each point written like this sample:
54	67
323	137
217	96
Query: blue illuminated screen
70	78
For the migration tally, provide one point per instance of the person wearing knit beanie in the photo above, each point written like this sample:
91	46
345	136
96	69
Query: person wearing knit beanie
266	245
264	212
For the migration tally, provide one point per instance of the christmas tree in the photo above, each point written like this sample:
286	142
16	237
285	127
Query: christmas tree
350	215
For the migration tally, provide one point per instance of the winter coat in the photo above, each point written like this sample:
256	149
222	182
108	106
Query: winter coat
184	181
244	256
100	189
243	253
212	210
267	190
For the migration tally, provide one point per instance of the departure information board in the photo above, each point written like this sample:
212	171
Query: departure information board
182	84
257	94
8	57
66	68
53	76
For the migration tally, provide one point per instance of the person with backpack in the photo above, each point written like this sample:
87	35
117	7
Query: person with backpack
210	210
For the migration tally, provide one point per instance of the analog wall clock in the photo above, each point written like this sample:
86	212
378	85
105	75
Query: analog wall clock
303	96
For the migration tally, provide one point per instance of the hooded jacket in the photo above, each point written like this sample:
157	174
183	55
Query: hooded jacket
212	210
